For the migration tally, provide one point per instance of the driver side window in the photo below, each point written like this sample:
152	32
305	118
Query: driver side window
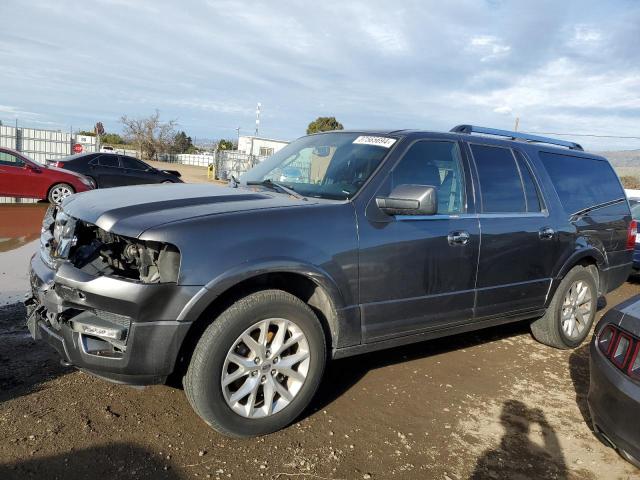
437	164
10	160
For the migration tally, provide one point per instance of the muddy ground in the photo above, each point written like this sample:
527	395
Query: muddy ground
493	404
486	405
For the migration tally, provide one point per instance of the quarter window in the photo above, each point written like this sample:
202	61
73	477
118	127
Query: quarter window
10	160
581	182
501	186
437	164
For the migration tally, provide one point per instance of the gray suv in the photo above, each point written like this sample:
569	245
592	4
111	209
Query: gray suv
379	239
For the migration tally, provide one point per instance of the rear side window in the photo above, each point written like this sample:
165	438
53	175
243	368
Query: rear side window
500	182
107	161
581	182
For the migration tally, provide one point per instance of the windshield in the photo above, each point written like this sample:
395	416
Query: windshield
329	165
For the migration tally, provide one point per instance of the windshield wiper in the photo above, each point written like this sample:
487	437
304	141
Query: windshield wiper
275	186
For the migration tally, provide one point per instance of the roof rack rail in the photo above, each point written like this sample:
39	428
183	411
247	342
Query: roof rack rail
515	136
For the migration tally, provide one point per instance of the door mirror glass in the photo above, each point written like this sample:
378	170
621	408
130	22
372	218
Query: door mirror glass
410	200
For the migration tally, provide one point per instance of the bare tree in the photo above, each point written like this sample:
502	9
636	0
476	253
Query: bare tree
150	135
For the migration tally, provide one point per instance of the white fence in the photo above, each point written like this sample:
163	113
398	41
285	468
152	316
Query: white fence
37	144
8	137
41	145
225	162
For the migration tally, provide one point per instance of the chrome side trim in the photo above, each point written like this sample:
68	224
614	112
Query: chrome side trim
404	218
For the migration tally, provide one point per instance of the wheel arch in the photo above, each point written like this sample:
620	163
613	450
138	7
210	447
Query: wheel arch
308	283
58	182
590	258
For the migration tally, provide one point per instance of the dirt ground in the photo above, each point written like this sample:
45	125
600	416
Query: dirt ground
486	405
190	173
491	404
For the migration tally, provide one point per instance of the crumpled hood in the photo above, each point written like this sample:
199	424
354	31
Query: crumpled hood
129	211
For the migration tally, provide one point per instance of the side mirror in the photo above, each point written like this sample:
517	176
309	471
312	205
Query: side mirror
32	168
410	200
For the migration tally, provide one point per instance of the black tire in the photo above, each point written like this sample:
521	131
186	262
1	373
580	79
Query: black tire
52	195
202	383
548	329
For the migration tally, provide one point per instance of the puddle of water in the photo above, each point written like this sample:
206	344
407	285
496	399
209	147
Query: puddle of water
19	234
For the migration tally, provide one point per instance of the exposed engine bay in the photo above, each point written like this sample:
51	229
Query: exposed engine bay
99	252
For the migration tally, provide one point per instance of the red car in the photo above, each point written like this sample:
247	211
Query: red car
22	177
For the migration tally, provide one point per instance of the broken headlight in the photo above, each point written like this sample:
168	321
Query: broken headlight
99	252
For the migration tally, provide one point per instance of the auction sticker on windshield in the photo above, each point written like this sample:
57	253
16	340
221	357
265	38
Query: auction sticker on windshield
378	141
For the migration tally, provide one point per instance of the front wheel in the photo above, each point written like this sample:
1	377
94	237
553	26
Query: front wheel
59	192
570	314
258	365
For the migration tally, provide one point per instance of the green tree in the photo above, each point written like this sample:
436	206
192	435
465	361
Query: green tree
324	124
182	143
225	144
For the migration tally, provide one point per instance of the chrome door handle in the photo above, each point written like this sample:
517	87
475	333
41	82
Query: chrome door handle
546	233
458	238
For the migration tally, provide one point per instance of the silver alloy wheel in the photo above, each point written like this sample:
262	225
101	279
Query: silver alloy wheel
265	368
59	193
576	309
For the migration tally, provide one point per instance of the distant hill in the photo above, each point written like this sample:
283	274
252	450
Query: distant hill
624	158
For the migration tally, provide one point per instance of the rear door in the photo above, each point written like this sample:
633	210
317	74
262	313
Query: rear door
519	245
418	273
13	175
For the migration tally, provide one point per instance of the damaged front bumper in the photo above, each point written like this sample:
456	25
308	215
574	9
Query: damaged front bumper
121	330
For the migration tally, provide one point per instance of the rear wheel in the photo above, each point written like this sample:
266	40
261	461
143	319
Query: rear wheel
258	365
59	192
570	315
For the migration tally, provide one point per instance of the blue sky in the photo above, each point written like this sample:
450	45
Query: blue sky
570	66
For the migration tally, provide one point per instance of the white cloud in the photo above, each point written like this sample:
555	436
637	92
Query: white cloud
506	109
586	34
489	46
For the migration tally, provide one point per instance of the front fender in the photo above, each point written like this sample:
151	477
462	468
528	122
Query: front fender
222	283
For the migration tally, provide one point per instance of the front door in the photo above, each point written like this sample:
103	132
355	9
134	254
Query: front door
519	243
107	172
418	272
13	176
136	171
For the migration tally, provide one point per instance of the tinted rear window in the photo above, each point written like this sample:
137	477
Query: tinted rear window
108	160
581	182
500	183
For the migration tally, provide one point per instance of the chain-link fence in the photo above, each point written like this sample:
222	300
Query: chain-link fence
225	162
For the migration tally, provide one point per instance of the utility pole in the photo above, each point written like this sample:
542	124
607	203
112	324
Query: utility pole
258	117
515	129
238	141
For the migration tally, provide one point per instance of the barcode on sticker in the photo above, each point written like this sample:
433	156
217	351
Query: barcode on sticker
378	141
